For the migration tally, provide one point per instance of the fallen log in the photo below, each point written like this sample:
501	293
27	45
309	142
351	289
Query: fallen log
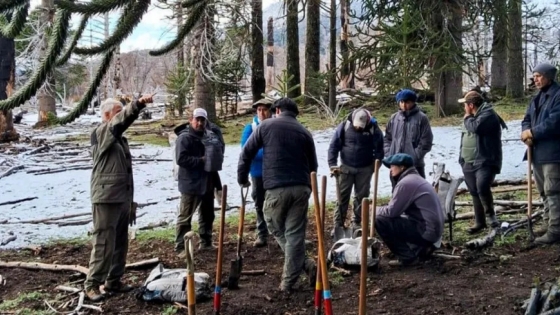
74	223
479	243
259	272
470	215
68	216
42	170
12	170
8	240
533	302
143	263
35	151
555	311
152	226
13	202
77	268
446	256
505	203
60	170
142	205
67	289
550	299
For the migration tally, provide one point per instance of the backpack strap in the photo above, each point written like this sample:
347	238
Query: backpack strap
343	131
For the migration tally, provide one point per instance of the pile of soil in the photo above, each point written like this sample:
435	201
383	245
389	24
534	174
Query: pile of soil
491	282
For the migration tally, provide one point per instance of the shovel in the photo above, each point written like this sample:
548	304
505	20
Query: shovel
340	232
236	265
377	165
319	281
218	287
191	299
363	265
530	192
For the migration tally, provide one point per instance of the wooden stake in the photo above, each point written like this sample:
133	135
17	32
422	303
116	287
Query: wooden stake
218	288
363	258
377	165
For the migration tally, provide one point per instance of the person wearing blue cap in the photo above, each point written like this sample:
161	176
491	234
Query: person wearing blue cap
408	131
541	134
411	225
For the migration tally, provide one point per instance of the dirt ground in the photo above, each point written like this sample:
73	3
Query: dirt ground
488	282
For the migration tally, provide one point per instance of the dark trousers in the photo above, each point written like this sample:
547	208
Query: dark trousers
479	182
258	194
419	169
402	236
206	211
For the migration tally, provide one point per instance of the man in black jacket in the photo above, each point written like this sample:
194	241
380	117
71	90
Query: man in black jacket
289	158
481	155
541	134
359	142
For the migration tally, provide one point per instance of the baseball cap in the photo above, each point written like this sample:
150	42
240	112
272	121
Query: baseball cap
360	118
200	112
472	97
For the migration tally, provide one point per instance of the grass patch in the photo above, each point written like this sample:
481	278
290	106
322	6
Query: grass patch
336	278
76	241
166	234
153	139
169	310
21	299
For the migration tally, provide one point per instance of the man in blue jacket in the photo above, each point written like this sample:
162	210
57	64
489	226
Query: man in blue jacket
542	135
262	108
359	142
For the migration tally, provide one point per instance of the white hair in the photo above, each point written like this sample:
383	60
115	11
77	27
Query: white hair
108	105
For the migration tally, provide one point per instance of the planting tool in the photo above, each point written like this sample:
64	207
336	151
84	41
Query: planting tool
318	281
340	232
530	192
236	265
191	299
377	165
218	287
322	258
363	263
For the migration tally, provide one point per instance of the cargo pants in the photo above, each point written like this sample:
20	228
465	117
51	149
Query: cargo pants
110	244
360	180
547	179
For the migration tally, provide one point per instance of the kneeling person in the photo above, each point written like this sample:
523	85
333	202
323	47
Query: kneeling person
412	222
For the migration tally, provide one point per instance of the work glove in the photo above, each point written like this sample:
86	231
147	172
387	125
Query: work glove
132	214
335	171
245	185
526	134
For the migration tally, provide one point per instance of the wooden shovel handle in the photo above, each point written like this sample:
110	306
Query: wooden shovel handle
217	290
363	260
376	166
244	193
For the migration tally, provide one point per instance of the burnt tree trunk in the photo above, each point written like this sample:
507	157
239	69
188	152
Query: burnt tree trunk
312	49
270	54
515	73
292	43
346	78
332	57
180	106
7	76
258	82
498	69
203	87
45	97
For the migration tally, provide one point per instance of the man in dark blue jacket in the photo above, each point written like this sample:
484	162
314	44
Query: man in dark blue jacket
481	155
262	107
541	133
288	159
359	142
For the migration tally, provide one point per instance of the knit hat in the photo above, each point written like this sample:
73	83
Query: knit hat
472	97
546	70
360	118
406	95
401	159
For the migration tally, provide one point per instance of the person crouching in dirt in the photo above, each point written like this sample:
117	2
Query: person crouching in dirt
412	223
112	193
541	134
480	156
199	155
262	108
359	142
288	159
408	131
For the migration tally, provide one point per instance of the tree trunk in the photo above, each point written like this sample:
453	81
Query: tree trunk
292	47
45	97
346	79
332	57
270	55
312	49
180	104
258	83
7	75
203	40
499	48
515	51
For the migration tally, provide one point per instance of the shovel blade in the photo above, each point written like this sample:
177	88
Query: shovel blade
235	273
342	232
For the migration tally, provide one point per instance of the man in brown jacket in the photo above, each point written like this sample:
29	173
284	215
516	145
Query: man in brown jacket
112	192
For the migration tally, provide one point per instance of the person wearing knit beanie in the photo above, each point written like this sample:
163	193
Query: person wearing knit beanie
541	134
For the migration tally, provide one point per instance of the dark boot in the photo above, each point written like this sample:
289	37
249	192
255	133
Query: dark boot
180	231
93	294
488	204
310	269
547	239
479	219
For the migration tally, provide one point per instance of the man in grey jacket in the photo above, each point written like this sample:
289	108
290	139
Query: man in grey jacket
412	223
541	135
408	131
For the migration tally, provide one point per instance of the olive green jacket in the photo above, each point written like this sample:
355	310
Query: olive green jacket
111	177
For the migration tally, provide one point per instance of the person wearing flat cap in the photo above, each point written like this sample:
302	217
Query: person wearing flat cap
480	155
262	107
408	131
541	134
359	142
411	225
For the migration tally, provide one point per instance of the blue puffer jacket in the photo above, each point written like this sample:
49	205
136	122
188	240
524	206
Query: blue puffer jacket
257	164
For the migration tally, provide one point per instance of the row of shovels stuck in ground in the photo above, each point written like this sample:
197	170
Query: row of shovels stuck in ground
323	297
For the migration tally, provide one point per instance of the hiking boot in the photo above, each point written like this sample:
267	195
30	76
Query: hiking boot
480	220
541	230
93	294
311	271
547	239
404	263
494	223
206	246
260	242
118	287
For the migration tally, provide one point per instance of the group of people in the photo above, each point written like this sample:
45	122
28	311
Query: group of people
279	154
